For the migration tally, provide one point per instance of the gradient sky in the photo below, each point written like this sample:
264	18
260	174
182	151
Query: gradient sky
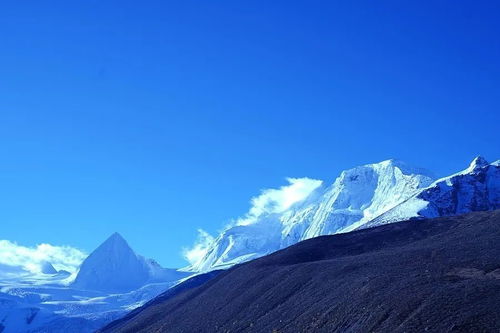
154	119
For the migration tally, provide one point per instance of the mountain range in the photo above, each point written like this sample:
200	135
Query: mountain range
361	197
114	280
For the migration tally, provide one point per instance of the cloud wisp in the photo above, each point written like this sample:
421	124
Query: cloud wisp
269	201
31	259
278	200
200	248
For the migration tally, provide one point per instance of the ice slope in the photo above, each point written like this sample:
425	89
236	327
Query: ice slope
115	267
477	188
357	196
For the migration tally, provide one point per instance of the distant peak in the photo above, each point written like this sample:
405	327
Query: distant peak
478	162
115	237
47	268
114	242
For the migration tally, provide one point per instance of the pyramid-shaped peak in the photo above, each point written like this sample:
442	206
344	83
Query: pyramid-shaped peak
478	162
115	241
105	268
47	268
114	238
115	247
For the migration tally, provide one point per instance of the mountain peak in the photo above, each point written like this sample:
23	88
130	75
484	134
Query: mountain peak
115	238
105	267
391	161
115	267
395	163
478	162
115	234
47	268
403	166
114	246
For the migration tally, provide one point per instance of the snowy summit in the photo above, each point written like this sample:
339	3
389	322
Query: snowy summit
115	267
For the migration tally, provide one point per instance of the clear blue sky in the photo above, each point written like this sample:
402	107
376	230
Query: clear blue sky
153	119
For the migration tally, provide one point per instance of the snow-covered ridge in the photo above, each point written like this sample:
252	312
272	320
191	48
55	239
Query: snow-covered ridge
476	188
360	197
355	197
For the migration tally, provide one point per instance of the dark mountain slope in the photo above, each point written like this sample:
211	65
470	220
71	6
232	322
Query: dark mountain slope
190	283
439	275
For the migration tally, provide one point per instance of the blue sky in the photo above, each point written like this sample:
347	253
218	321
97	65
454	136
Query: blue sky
154	119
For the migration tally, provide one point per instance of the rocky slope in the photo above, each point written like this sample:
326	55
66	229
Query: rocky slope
434	275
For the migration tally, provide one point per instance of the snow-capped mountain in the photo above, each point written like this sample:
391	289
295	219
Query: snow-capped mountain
105	269
111	281
357	196
364	196
477	188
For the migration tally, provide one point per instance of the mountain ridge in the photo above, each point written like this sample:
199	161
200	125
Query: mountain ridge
360	197
476	188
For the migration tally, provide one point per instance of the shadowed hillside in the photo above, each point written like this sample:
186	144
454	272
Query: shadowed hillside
423	275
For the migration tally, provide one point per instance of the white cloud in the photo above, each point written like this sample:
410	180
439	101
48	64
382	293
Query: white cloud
269	201
278	200
31	258
196	253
